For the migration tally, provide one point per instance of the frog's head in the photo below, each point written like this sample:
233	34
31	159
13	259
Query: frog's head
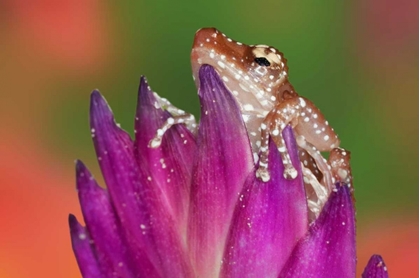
259	69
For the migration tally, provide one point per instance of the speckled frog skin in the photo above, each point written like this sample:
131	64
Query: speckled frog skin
257	75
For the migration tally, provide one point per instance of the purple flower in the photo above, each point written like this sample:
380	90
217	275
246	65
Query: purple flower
193	207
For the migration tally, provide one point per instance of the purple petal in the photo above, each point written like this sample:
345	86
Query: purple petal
375	268
329	248
136	201
269	219
169	165
113	253
223	162
83	250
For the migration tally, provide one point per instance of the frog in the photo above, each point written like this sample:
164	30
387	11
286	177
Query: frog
257	76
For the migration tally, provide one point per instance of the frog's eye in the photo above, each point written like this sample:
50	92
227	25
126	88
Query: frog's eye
262	61
266	56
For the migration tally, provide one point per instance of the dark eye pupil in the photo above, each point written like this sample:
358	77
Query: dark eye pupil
262	61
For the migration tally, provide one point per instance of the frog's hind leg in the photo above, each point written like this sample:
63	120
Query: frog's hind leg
316	193
267	129
340	165
309	162
321	162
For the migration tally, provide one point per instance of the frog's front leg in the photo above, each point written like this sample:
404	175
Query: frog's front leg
187	119
178	116
273	126
306	120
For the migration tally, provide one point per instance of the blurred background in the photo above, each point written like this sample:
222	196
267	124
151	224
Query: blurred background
358	62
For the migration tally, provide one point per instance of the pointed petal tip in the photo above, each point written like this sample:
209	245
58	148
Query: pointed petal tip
75	227
101	114
98	103
84	178
95	95
96	99
79	165
208	77
205	67
375	268
143	81
146	96
83	249
144	85
72	220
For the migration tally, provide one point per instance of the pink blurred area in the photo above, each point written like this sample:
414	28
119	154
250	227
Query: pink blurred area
71	33
389	24
396	240
45	40
36	197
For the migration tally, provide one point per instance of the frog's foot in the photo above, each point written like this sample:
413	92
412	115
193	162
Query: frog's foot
262	173
290	172
187	119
